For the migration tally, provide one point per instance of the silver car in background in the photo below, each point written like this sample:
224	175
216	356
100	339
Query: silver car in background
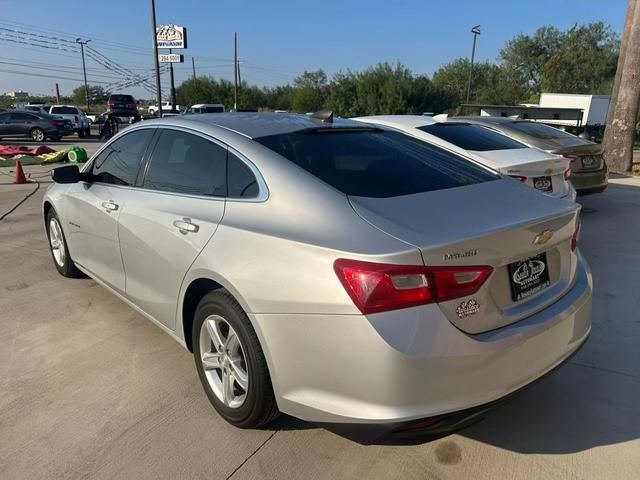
348	275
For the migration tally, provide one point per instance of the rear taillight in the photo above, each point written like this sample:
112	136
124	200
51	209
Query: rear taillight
110	103
519	178
57	123
576	236
377	287
569	156
567	174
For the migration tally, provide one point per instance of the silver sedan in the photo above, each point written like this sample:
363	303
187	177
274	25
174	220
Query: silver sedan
345	274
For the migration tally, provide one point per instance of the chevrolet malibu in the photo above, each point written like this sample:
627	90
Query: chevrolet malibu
345	274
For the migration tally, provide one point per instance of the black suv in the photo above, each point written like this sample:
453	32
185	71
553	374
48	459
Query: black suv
123	106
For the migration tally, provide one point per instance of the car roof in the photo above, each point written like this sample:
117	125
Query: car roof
485	119
254	124
198	105
399	120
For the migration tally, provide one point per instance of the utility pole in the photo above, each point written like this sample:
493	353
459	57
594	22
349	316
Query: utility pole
155	56
173	86
57	93
235	71
84	70
620	131
476	31
193	65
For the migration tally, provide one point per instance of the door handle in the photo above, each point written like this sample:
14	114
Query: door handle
110	206
185	226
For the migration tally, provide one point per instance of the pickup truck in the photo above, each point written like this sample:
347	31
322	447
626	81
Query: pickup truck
153	109
75	115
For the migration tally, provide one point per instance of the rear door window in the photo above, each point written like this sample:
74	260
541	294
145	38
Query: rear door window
472	137
369	162
119	163
241	180
185	163
23	117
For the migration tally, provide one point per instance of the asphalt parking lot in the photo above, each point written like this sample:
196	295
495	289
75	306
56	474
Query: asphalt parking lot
91	389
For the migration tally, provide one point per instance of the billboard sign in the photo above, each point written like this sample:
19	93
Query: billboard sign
170	58
171	36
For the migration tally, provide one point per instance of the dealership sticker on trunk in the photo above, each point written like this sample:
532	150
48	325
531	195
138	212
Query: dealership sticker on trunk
528	276
543	184
467	308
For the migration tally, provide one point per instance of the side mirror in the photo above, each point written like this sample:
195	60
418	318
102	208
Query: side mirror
66	174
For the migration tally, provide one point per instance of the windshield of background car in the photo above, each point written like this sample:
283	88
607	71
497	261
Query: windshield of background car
472	137
121	98
538	130
375	163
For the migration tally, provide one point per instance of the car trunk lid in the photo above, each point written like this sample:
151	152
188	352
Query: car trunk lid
493	223
543	171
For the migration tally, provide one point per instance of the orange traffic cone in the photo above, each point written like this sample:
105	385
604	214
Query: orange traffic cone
20	178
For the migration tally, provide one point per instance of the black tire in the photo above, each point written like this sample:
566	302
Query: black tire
87	132
81	133
37	134
259	407
68	268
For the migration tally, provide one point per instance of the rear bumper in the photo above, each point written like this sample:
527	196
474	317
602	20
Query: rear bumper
376	373
590	182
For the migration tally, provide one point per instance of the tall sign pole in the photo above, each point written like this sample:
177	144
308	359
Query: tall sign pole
84	70
155	55
235	71
193	65
173	85
476	31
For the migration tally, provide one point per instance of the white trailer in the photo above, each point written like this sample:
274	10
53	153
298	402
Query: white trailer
594	108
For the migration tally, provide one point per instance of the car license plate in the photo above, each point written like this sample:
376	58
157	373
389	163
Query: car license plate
543	183
528	277
588	162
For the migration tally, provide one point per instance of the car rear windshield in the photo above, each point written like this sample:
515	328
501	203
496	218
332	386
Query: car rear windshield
64	110
375	163
471	137
539	130
121	98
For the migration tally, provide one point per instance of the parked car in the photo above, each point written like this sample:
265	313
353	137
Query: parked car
349	275
39	108
123	105
206	108
589	172
77	117
35	125
534	167
153	109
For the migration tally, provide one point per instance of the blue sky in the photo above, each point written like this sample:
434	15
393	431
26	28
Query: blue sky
278	39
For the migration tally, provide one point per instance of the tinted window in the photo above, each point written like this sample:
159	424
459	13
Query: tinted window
64	111
213	109
375	163
21	117
471	137
539	130
4	117
122	98
120	161
241	180
187	163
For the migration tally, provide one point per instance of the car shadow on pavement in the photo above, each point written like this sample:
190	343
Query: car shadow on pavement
577	408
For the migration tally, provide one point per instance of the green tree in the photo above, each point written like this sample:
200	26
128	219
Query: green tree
309	91
97	94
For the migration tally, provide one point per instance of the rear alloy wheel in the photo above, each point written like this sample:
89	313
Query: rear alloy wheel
59	250
37	135
230	362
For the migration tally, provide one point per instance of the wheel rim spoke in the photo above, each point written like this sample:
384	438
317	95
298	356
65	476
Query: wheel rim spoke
223	361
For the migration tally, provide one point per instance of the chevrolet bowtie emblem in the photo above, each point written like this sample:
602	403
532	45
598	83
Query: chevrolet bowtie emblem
543	237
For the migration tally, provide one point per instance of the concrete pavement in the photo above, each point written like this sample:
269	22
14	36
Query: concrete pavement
91	389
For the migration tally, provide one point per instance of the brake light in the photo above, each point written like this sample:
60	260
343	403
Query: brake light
569	156
567	174
110	103
57	123
576	236
519	178
377	287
